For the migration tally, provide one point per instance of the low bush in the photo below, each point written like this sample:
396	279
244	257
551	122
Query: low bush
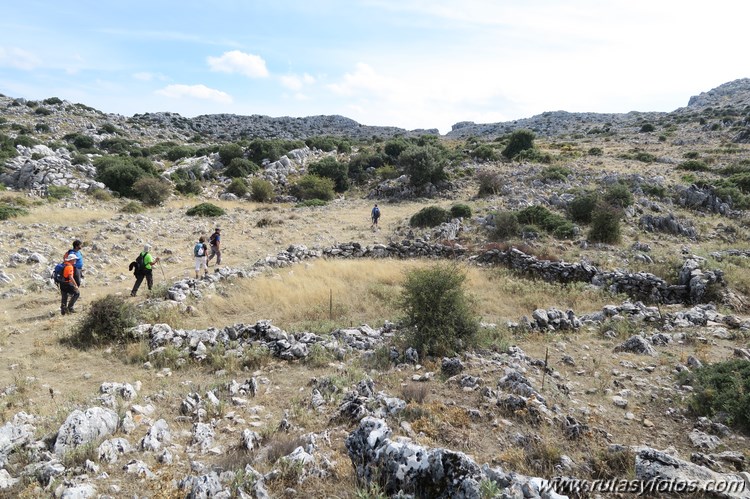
619	195
460	211
330	167
490	182
555	173
721	387
430	216
238	187
581	208
437	311
188	187
132	207
595	151
313	187
311	203
152	191
205	210
693	165
240	167
101	194
506	226
387	172
424	164
178	152
8	210
106	322
520	140
59	191
647	127
228	152
605	224
485	152
120	173
261	190
550	222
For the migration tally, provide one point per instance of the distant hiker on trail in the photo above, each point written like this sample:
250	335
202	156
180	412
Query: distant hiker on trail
200	252
68	286
215	242
142	268
78	264
375	217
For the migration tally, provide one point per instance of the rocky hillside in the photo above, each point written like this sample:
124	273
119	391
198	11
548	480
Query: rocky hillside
606	269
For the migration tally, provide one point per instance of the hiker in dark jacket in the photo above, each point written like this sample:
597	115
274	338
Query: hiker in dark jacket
375	215
148	261
215	242
69	287
78	265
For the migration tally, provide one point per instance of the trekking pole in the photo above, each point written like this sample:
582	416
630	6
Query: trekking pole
162	272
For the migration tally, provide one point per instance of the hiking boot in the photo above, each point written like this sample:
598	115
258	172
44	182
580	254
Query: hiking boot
72	311
132	295
63	311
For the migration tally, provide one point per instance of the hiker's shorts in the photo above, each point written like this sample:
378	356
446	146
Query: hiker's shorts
200	263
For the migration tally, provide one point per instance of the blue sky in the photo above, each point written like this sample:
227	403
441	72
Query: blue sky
406	63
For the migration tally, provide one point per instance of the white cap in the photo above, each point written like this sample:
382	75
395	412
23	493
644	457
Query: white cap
147	247
71	256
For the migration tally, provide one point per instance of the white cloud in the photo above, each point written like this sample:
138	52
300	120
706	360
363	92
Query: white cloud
363	80
195	92
250	65
146	76
296	82
17	58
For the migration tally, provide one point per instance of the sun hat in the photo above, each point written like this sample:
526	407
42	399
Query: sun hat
146	247
71	256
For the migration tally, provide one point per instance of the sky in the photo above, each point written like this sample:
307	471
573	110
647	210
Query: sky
405	63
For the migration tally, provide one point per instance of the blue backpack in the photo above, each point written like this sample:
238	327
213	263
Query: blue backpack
57	274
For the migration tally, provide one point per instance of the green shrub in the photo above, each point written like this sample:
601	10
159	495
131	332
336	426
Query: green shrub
550	222
51	101
605	224
644	157
118	145
423	164
7	148
80	141
506	226
363	161
329	143
330	167
595	151
179	152
691	155
311	203
313	187
534	155
741	180
387	172
394	147
152	191
261	190
438	313
647	127
429	216
581	208
270	149
485	152
8	210
80	159
109	128
228	152
205	210
132	207
555	173
106	322
42	128
59	191
619	195
693	165
25	140
520	140
240	167
101	194
120	173
721	387
188	187
460	211
655	190
43	111
238	187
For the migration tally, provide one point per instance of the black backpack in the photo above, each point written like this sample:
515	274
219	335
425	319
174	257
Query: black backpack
137	266
212	239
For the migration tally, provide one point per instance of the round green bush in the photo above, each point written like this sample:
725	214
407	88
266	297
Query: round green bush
59	191
424	164
605	224
228	152
581	208
313	187
205	210
430	216
152	191
238	187
261	190
330	167
438	313
240	167
520	140
188	187
106	322
721	387
460	211
619	195
506	226
132	207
